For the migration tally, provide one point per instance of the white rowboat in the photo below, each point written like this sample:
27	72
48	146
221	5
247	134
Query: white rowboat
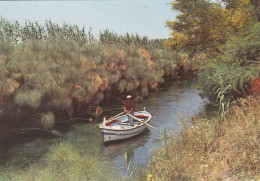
119	128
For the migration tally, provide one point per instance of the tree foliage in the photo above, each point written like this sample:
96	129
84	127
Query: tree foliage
202	25
228	77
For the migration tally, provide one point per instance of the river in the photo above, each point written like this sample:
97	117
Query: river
164	105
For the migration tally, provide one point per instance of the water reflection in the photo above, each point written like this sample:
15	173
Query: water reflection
117	148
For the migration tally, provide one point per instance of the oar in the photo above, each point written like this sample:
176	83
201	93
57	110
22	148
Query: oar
143	122
112	118
116	115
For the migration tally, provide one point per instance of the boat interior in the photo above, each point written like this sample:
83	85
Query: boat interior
123	120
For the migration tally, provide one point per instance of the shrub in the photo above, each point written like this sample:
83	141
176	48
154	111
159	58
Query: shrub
47	120
8	86
228	77
30	98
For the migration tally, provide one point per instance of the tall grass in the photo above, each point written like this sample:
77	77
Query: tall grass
31	31
34	31
62	162
109	37
211	150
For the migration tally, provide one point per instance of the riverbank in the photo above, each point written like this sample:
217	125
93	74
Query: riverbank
62	162
225	146
177	97
47	81
211	149
206	149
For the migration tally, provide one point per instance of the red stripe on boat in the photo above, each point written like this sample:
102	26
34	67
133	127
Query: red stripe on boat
111	122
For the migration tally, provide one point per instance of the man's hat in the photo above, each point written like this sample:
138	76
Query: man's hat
128	97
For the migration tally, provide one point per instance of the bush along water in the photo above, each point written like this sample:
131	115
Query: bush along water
50	74
234	74
226	146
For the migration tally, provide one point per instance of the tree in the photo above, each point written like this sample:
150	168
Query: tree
205	26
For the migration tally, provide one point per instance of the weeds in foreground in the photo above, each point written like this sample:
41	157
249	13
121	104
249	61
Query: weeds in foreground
164	135
213	150
62	162
129	169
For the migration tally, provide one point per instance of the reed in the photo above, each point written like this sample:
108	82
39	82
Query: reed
31	31
109	37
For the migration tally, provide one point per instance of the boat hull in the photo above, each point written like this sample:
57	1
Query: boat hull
119	128
112	135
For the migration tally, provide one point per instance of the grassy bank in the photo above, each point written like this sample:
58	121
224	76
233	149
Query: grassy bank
208	149
225	146
62	162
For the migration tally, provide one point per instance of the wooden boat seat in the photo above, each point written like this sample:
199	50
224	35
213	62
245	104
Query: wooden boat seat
126	122
141	116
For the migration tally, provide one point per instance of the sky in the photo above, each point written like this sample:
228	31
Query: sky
145	17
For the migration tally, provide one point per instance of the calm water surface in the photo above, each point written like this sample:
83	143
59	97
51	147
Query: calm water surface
164	105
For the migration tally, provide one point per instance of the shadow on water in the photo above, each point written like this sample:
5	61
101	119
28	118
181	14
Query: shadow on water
164	105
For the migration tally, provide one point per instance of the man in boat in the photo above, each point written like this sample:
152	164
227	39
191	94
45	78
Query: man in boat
129	109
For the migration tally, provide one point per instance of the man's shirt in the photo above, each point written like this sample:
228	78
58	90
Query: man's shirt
129	104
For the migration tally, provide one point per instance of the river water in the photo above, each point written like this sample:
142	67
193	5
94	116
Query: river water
164	105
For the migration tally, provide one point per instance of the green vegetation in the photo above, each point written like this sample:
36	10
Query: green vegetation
34	31
208	149
205	26
62	162
228	77
229	36
224	146
108	37
52	69
31	31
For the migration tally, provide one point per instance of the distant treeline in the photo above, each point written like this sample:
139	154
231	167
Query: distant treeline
34	31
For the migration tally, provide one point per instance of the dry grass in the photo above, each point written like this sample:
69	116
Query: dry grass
214	150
